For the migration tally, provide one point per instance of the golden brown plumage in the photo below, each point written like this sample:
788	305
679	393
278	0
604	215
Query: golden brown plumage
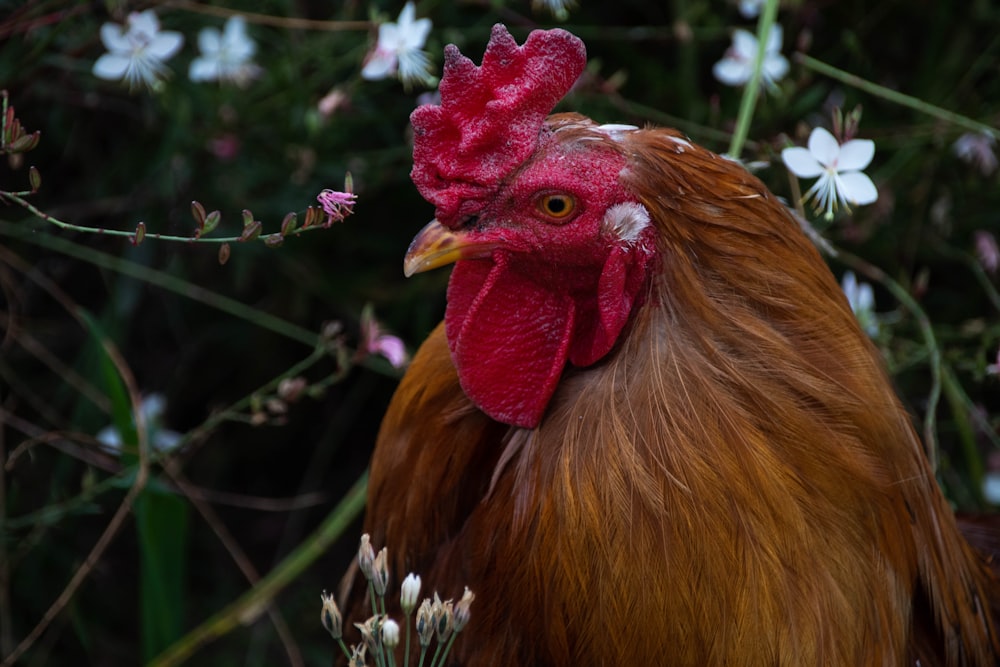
734	483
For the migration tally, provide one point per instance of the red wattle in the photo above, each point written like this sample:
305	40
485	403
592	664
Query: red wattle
509	338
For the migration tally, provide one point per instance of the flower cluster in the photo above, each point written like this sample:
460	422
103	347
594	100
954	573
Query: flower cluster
435	618
138	51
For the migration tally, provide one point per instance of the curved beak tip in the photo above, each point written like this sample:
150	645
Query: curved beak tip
435	245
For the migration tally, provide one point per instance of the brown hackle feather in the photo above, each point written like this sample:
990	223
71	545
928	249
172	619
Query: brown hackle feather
735	484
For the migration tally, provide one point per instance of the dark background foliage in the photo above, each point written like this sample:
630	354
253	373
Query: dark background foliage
110	159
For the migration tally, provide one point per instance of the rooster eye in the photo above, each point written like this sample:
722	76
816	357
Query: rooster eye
558	206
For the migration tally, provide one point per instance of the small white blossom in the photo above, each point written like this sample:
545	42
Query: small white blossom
838	167
737	65
399	50
226	55
750	8
160	439
861	297
137	51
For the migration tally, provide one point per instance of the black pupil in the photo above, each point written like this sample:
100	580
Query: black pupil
557	205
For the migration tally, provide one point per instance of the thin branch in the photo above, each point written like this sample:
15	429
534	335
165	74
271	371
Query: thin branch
896	96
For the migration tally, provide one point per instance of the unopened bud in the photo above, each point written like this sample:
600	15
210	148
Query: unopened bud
289	224
198	213
224	253
330	616
425	623
366	557
211	222
251	231
443	618
390	633
35	178
140	234
409	593
462	609
381	572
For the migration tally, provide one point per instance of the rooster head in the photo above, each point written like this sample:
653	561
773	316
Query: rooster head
552	251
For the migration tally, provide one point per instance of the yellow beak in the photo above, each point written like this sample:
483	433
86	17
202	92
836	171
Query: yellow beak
435	245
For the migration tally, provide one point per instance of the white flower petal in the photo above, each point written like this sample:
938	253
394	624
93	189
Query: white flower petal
407	14
380	64
416	35
209	41
744	45
801	162
203	69
165	45
823	146
144	22
774	38
856	154
857	188
731	72
111	66
866	297
113	37
775	67
750	8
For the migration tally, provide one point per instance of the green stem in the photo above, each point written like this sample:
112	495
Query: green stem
252	603
447	649
967	436
896	96
752	89
406	654
872	272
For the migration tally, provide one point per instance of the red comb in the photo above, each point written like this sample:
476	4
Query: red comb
490	117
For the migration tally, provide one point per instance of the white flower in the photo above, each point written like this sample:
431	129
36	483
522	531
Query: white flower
838	167
861	297
160	439
136	53
225	56
398	50
737	65
750	8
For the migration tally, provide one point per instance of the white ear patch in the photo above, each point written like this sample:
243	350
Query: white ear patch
626	221
615	131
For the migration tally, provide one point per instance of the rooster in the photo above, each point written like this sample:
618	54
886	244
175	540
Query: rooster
650	430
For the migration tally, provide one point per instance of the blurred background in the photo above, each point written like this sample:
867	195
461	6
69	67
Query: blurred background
263	378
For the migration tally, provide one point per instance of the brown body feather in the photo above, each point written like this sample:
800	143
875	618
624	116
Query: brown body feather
735	484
